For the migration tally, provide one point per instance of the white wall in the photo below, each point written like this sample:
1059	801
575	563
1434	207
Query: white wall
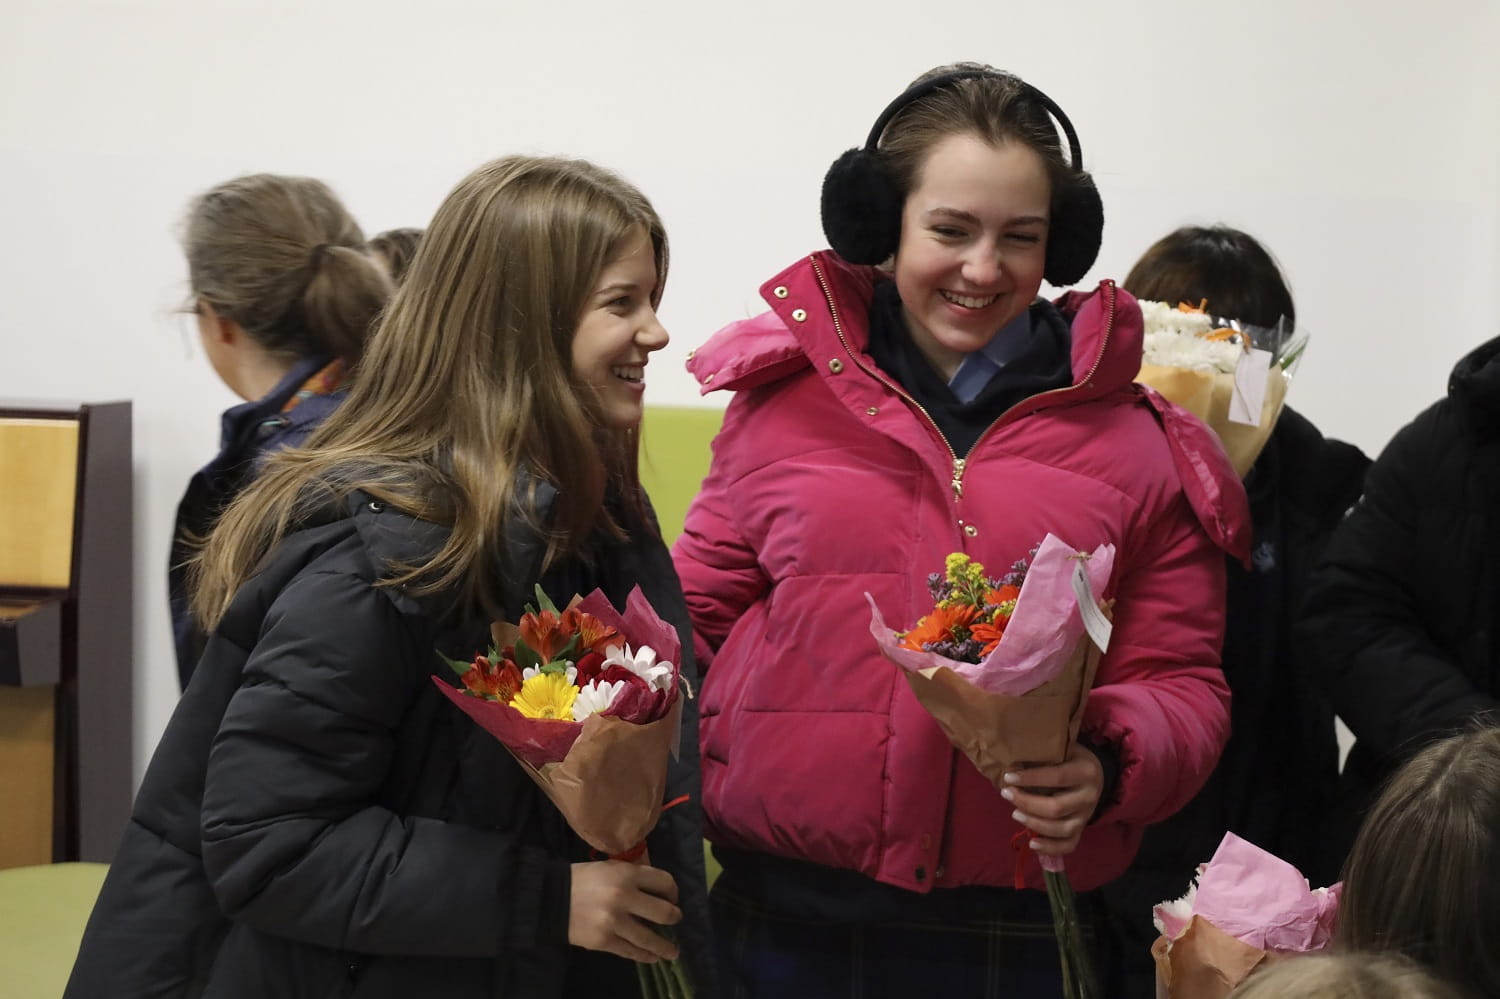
1359	140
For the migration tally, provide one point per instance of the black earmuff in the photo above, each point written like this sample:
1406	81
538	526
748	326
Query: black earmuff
862	204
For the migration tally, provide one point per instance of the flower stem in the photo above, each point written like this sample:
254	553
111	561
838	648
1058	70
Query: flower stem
1077	969
665	979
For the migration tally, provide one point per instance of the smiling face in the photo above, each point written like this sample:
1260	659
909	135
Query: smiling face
973	244
618	331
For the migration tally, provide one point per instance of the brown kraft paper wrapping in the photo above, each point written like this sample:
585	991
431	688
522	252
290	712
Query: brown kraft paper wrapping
998	732
1206	395
1205	962
611	784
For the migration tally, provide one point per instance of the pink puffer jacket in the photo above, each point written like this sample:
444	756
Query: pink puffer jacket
828	481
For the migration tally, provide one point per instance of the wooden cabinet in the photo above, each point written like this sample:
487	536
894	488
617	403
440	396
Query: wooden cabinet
66	641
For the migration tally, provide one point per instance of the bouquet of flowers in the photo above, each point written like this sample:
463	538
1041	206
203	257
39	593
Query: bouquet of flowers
1231	375
1004	666
590	710
1245	909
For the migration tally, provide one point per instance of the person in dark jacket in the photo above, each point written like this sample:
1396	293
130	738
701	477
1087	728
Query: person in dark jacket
285	294
1403	613
318	819
1274	783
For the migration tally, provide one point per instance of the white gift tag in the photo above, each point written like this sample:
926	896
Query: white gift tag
1249	397
1094	621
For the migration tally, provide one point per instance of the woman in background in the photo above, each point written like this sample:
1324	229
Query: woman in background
1277	791
285	294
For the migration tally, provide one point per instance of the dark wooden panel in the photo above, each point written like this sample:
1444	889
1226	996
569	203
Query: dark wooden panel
30	644
103	680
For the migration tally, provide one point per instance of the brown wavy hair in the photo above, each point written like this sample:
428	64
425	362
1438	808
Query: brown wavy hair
466	397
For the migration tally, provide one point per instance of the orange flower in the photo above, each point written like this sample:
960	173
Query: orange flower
989	634
1003	594
939	626
492	681
592	633
543	633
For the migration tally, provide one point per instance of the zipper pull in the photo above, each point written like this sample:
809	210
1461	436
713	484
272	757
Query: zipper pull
958	478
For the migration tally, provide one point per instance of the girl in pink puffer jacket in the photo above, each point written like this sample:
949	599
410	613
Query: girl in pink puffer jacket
883	420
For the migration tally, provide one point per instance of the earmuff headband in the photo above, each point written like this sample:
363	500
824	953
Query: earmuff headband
921	90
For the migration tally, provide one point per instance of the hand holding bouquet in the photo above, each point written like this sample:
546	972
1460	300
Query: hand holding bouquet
1246	908
1231	375
1004	666
591	711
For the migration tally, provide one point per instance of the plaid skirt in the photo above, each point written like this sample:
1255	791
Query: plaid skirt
1008	954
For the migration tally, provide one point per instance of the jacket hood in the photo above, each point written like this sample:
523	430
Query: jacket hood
1475	383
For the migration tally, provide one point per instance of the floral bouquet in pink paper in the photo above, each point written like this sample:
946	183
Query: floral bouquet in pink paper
1005	666
589	701
1245	909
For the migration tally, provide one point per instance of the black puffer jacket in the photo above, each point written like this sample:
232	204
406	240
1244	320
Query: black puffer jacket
1275	783
1404	612
319	821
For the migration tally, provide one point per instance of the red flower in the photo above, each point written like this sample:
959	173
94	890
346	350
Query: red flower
612	673
589	665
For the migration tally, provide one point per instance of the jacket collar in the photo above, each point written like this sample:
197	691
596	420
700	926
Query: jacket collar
241	425
819	318
820	305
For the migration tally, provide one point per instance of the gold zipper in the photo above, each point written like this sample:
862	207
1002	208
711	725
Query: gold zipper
959	464
876	373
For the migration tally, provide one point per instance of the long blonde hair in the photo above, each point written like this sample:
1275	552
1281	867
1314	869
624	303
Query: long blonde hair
466	398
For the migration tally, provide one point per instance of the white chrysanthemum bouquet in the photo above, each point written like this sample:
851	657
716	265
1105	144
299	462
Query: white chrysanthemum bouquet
1231	375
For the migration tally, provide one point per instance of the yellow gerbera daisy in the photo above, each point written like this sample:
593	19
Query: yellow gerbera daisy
546	695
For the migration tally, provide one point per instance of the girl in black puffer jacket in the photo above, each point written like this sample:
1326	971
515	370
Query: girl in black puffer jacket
318	820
